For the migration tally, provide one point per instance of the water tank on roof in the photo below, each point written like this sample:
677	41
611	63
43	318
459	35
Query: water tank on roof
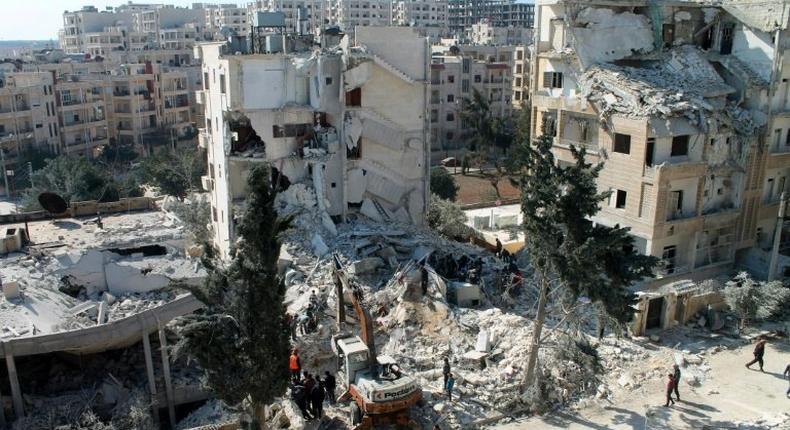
268	19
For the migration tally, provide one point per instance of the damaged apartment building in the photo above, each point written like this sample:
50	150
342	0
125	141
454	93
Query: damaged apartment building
347	120
687	105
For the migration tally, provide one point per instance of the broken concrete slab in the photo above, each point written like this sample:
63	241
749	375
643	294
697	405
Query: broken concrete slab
11	290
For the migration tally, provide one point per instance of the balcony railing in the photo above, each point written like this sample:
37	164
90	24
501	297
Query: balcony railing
676	215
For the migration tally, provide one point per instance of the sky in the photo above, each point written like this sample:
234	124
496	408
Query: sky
41	19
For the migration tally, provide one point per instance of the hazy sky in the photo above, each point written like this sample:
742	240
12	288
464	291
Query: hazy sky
41	19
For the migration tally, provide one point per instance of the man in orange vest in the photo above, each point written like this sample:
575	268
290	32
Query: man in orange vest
295	366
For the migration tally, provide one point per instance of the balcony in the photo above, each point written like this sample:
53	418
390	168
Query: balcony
679	215
591	147
203	138
207	182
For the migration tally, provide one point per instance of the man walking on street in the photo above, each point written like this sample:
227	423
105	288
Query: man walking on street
677	381
446	370
449	386
759	351
329	386
670	388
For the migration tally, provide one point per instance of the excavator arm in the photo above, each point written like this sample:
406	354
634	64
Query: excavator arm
365	320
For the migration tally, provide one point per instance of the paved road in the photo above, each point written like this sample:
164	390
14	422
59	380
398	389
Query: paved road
736	395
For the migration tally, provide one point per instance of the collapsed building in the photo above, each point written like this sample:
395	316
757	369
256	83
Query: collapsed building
348	119
685	102
81	298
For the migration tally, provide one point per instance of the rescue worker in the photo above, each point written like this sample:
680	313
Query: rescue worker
498	249
295	366
329	385
446	370
759	351
449	386
300	398
317	399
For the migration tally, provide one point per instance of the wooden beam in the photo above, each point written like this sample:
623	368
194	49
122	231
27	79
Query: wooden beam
16	392
171	408
149	367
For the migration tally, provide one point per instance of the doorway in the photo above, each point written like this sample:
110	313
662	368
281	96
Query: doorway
654	308
726	39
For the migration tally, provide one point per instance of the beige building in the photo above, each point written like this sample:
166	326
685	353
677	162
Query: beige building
334	127
454	79
485	33
686	105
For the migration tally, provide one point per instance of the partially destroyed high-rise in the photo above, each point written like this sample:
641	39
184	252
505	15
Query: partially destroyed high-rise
349	119
687	104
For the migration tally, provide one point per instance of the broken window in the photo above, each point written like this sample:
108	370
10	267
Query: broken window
725	47
292	130
649	151
622	143
620	200
680	146
244	137
354	97
668	255
552	80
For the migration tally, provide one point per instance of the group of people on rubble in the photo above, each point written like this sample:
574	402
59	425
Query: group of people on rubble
308	321
310	391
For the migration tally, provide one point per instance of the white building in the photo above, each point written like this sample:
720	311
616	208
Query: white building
350	121
421	14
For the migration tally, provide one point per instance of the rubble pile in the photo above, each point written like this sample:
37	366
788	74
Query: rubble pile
115	308
212	412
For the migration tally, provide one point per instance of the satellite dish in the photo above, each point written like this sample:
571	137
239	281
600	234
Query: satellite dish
52	203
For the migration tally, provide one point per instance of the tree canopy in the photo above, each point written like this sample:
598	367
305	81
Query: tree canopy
175	173
443	184
241	338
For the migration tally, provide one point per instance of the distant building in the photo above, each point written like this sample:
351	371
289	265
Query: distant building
500	13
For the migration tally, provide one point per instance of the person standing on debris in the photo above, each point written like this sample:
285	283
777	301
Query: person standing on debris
291	318
676	376
329	385
304	322
295	365
446	370
449	386
299	397
759	351
317	399
498	250
670	387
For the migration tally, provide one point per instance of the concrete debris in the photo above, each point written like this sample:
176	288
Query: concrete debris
11	290
601	35
212	412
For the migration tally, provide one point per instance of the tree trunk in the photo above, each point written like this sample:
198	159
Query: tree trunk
529	377
260	414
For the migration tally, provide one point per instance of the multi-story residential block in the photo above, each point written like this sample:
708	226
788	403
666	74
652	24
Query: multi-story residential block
455	77
334	123
421	14
305	16
521	76
484	33
500	13
686	105
28	117
362	13
230	15
81	103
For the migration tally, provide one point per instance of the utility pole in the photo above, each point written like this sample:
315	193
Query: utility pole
780	220
5	172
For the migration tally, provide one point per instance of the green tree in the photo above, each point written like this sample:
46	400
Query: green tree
241	338
174	173
752	300
196	216
77	179
566	248
447	218
443	184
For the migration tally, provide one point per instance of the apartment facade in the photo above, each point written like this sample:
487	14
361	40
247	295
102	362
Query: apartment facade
335	124
686	106
501	13
455	76
485	33
421	14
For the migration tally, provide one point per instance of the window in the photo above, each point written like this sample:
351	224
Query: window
619	202
449	135
434	115
477	79
354	97
650	149
552	80
778	136
517	95
39	125
518	68
214	213
450	117
465	86
668	255
328	80
222	83
450	98
680	146
676	200
205	85
622	143
465	64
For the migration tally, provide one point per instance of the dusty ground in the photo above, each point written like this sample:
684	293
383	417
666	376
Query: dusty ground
476	189
729	395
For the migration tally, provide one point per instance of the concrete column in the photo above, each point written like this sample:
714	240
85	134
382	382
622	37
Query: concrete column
171	407
16	392
149	367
